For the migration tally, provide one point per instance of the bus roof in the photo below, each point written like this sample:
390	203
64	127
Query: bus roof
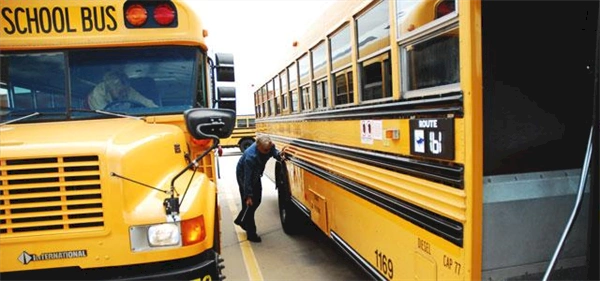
331	18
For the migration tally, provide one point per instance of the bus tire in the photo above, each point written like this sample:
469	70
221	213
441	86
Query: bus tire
289	215
245	143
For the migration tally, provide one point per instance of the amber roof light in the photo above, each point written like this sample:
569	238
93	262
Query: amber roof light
136	15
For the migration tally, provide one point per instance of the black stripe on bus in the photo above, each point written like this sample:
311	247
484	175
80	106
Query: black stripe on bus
442	105
445	174
446	228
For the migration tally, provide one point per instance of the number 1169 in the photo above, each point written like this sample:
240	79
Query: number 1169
384	264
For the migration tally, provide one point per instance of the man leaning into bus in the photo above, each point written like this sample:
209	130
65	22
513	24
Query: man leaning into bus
249	170
115	87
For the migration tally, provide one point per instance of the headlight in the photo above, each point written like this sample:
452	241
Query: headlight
151	237
166	234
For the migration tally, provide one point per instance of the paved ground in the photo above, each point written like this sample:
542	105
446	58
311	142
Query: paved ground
306	256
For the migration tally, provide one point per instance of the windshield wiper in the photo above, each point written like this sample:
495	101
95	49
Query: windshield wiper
108	113
21	118
115	114
35	114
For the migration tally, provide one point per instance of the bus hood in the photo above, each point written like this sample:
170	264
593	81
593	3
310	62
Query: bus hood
99	137
122	157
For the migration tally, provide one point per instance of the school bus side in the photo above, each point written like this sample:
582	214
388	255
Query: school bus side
421	144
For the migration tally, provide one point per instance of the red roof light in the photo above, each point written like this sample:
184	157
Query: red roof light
164	14
444	8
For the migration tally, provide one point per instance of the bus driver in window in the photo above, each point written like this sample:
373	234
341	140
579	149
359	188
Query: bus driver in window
115	87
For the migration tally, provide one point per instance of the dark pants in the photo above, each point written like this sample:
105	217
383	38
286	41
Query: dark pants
246	215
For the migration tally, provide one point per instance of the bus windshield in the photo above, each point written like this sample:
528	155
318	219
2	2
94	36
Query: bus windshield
62	85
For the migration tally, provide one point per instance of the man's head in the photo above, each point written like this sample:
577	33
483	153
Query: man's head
263	144
115	83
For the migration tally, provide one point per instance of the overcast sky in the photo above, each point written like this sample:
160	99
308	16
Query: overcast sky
256	32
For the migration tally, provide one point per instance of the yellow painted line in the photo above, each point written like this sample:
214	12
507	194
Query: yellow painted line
250	261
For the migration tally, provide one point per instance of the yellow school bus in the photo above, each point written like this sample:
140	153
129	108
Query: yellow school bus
243	134
443	140
106	167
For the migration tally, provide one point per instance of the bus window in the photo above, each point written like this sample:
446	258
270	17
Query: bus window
293	83
258	103
295	106
340	59
304	69
242	123
319	60
293	76
35	82
373	30
163	74
432	62
284	91
306	99
340	48
376	78
319	68
277	98
321	93
343	87
374	37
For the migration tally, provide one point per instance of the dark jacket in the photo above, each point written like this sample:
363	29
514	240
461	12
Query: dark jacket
251	166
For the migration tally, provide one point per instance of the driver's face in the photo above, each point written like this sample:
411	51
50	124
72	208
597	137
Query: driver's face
115	87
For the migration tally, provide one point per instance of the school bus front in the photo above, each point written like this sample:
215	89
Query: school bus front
91	205
116	191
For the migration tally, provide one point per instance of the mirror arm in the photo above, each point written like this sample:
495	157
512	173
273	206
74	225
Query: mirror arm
172	204
193	163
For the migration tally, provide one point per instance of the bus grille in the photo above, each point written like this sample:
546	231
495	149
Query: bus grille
50	195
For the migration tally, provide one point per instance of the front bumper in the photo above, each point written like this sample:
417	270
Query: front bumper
208	263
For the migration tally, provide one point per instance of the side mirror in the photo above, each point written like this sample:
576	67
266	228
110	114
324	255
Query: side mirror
225	68
205	123
226	98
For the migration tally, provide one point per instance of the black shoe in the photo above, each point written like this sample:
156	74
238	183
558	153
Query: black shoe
240	224
254	238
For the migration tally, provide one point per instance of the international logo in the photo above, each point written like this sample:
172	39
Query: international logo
26	258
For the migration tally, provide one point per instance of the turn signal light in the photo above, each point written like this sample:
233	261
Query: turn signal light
193	231
202	144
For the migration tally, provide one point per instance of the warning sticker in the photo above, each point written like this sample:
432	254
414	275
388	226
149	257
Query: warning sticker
371	130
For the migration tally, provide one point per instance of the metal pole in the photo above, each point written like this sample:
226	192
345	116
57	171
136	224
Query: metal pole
593	259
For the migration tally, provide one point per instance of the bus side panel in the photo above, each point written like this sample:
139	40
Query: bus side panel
396	248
